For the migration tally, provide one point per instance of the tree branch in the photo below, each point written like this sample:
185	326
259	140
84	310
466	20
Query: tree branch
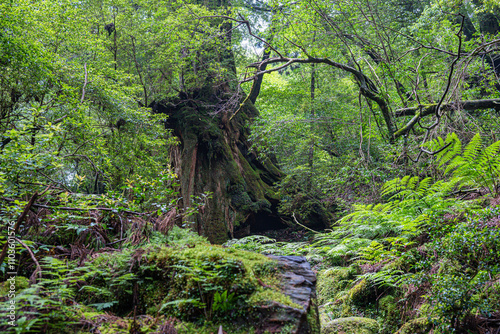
464	105
38	269
367	88
63	208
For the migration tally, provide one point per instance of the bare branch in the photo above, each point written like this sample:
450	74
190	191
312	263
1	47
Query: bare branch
63	208
465	105
38	269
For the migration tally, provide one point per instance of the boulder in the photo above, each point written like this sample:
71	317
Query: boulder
299	283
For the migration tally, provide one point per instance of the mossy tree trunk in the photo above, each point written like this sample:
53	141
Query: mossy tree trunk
214	156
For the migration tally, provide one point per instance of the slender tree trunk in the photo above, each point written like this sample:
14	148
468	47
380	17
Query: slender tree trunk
312	143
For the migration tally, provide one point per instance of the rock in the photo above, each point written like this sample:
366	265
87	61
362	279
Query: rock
299	283
351	325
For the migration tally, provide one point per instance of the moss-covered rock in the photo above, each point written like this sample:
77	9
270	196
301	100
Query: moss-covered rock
332	281
359	294
387	304
341	296
416	326
351	325
200	283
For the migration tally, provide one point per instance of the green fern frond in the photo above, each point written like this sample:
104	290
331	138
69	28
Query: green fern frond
401	188
391	186
412	183
423	186
471	151
405	180
492	151
456	163
449	153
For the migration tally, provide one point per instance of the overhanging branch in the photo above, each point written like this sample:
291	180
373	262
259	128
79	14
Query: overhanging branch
422	111
366	86
464	105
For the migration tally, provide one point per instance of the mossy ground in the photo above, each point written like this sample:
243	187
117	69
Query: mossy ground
199	285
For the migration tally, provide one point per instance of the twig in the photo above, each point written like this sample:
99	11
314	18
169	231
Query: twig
307	228
436	152
452	68
115	242
38	269
440	103
59	183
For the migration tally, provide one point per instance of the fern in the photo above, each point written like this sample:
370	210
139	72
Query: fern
407	187
472	150
375	252
385	278
476	165
453	147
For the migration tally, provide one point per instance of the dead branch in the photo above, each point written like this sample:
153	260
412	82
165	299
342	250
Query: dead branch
38	269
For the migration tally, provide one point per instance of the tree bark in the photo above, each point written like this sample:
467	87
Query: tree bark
214	156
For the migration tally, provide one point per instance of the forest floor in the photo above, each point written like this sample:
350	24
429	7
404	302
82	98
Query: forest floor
421	262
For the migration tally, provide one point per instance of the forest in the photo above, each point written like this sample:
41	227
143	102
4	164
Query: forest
250	166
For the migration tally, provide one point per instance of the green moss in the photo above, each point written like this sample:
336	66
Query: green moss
240	198
183	237
264	296
358	293
208	328
416	326
351	325
20	284
391	313
214	252
182	281
387	304
216	229
332	281
313	318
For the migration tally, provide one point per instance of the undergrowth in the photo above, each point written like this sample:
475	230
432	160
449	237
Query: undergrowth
425	260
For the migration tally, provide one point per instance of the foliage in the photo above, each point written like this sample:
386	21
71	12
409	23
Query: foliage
78	85
474	165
